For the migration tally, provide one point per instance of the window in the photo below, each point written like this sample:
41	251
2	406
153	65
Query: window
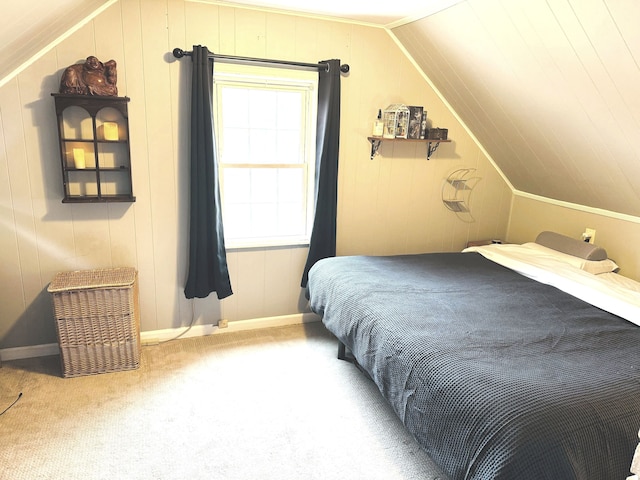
265	133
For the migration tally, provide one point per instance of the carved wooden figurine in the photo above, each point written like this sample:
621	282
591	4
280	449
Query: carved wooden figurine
90	78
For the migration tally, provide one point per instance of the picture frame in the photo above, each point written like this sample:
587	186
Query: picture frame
424	128
416	114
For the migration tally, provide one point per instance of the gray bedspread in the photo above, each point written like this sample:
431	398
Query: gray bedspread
496	375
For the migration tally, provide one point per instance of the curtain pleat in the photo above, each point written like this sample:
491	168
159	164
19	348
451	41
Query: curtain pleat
207	269
323	235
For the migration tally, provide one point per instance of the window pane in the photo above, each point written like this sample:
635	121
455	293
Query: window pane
235	102
291	220
289	109
264	185
262	146
291	185
237	220
289	147
265	219
235	148
234	184
264	108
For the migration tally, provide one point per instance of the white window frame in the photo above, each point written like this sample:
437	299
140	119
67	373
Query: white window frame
260	77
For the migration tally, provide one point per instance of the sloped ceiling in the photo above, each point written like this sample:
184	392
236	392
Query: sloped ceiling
378	12
548	87
31	25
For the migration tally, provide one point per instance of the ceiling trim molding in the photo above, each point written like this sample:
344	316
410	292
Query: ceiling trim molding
281	11
450	108
11	75
575	206
433	8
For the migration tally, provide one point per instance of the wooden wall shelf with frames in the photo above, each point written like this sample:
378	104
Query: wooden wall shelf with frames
432	144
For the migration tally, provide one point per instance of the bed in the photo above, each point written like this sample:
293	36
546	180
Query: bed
503	361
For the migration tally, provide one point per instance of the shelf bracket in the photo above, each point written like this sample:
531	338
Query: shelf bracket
375	145
431	148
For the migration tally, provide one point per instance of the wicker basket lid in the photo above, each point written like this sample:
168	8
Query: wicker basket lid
98	278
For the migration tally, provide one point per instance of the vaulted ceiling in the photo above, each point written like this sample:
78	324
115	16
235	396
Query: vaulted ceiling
548	87
29	26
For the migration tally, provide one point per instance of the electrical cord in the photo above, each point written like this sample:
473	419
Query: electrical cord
14	402
193	318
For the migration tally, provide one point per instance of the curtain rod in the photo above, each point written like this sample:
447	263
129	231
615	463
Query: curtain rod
179	53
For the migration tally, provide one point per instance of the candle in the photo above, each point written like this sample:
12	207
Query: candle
78	158
110	131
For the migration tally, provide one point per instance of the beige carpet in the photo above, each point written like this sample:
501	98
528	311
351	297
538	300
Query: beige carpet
263	404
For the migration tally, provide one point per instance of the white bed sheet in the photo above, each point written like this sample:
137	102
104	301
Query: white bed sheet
620	280
614	297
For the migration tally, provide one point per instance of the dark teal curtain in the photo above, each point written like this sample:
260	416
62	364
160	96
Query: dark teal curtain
208	271
323	235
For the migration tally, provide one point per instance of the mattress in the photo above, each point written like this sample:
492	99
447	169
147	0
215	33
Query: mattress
496	374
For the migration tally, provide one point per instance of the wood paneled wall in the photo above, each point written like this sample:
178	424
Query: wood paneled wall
549	87
387	205
618	235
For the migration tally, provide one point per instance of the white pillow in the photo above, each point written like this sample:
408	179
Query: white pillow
592	266
571	246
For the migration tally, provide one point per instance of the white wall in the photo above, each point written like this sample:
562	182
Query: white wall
548	87
387	205
619	235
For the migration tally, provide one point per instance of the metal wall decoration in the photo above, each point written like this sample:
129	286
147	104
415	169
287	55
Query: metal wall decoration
456	192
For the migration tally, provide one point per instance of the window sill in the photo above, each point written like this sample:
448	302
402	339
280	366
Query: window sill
236	245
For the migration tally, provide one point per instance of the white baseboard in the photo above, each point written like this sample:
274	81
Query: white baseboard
153	337
156	336
16	353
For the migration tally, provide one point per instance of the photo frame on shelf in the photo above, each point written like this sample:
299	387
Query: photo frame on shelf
403	124
438	133
416	114
424	128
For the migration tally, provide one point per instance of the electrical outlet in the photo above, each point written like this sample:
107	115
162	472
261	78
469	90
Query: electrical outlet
223	323
589	235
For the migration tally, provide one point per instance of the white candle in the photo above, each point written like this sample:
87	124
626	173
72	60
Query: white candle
78	158
110	131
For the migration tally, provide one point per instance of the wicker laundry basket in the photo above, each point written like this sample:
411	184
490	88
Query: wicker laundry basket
97	320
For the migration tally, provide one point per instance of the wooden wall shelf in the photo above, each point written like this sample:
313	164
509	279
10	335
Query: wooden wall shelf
432	144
